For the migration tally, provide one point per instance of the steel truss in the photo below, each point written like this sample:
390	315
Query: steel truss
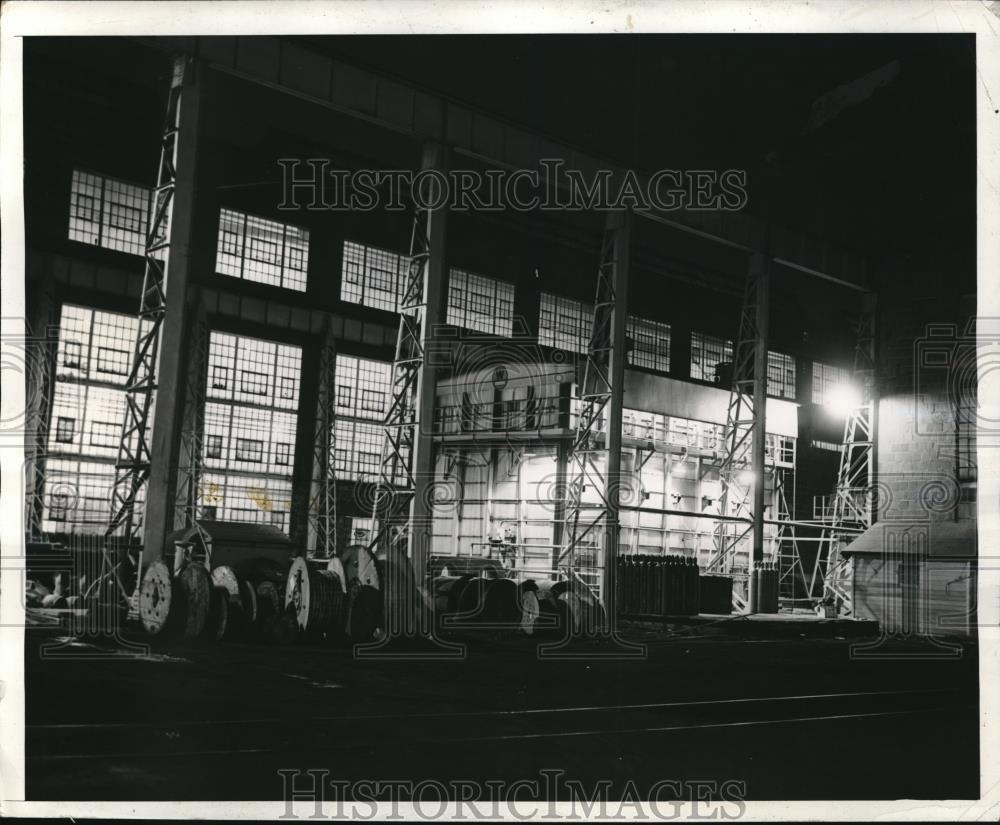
590	523
323	509
133	463
854	498
396	482
193	429
741	471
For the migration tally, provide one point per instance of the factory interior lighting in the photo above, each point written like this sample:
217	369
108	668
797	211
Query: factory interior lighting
843	399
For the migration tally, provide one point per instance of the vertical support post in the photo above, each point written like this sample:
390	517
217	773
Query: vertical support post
620	225
169	377
435	285
759	428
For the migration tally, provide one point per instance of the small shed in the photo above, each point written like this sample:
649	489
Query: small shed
917	577
233	543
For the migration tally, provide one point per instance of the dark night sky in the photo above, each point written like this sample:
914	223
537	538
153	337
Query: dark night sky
892	176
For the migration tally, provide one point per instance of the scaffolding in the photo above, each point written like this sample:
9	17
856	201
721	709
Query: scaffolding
590	534
741	472
854	506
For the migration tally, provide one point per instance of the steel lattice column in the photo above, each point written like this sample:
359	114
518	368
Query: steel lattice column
854	498
323	508
741	472
594	459
402	506
187	509
156	374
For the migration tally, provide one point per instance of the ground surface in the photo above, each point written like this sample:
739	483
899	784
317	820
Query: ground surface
792	718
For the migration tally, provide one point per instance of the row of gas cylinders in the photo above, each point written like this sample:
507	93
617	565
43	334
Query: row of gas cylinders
657	586
764	593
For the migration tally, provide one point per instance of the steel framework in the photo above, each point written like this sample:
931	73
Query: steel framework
396	482
741	472
133	464
193	431
324	505
854	497
594	455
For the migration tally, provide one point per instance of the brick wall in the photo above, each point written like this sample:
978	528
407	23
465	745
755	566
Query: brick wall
924	354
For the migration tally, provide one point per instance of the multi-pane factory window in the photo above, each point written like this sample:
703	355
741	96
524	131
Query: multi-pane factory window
780	375
251	407
108	212
564	323
363	398
479	303
826	381
88	409
707	352
262	250
650	343
373	277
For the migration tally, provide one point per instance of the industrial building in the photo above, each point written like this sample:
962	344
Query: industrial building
568	397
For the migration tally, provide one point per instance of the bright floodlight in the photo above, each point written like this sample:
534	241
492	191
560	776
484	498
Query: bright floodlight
843	398
745	477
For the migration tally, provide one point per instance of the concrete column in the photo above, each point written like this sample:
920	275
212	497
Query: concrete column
161	489
620	223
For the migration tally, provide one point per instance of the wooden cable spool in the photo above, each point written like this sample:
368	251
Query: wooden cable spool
218	615
238	617
269	603
502	604
156	595
336	566
359	565
193	591
364	613
529	607
314	596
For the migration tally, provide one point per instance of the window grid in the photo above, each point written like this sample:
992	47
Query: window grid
564	323
373	277
363	398
261	250
650	343
478	303
780	375
825	378
108	212
93	357
708	351
250	425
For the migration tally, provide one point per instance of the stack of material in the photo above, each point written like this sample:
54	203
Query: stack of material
657	586
765	590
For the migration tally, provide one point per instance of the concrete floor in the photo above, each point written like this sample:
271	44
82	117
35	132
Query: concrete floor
792	718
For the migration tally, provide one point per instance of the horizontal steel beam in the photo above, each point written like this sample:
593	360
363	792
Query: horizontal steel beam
310	75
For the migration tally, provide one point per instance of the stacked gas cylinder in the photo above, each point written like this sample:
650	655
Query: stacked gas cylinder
656	586
765	589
